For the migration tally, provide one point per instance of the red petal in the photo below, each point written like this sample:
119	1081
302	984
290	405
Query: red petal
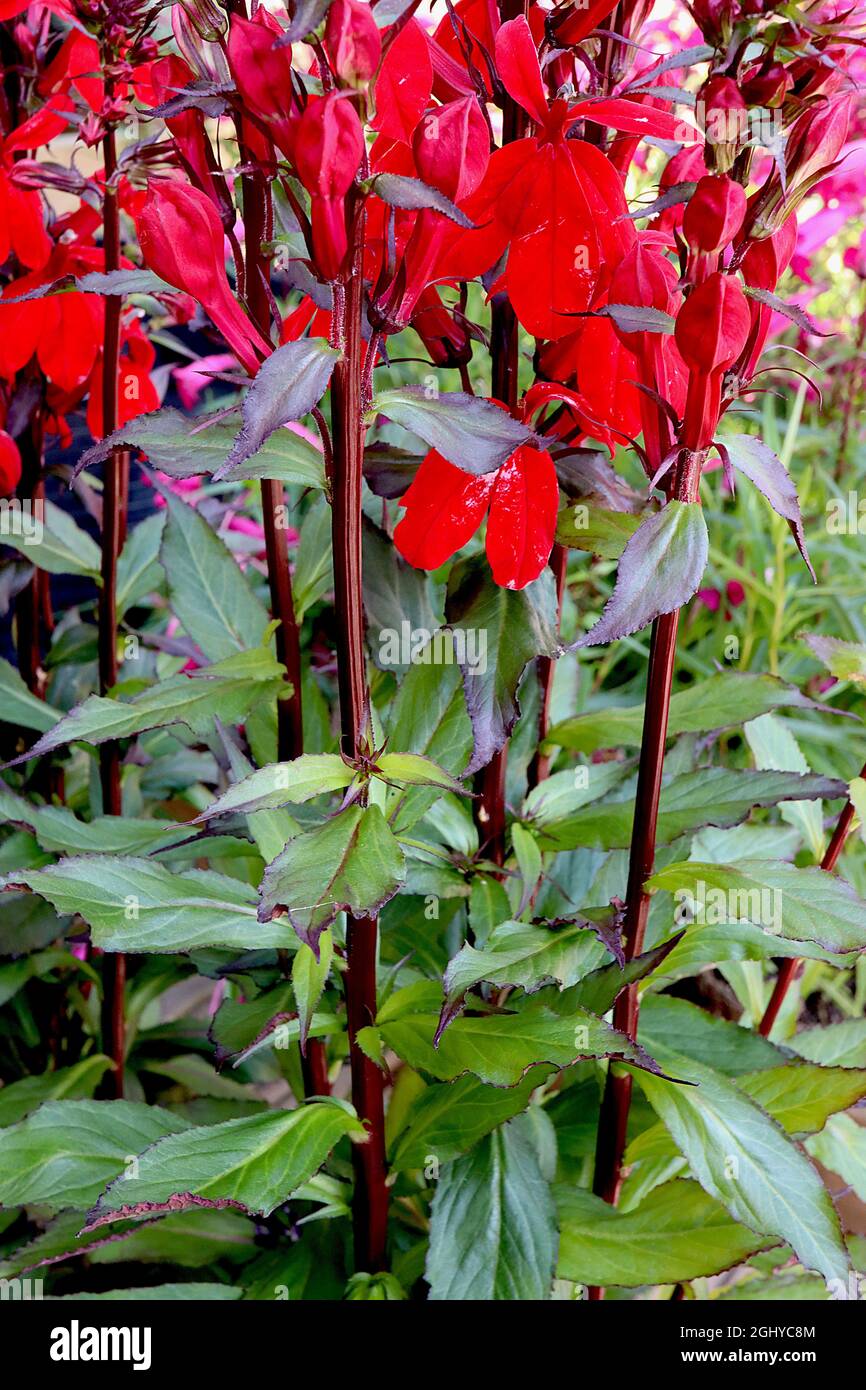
637	119
522	521
444	508
404	84
553	268
518	66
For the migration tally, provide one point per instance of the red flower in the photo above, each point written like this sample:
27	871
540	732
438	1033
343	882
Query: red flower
64	330
263	75
445	506
352	40
10	465
713	217
712	330
182	239
329	146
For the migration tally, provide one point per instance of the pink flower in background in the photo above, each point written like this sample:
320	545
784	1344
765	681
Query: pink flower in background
193	378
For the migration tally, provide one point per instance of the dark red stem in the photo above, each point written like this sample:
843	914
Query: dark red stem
113	528
789	969
370	1202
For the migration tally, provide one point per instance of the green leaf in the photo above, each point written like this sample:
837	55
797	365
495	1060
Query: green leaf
414	770
802	1096
138	905
313	575
516	627
744	1159
844	660
492	1223
282	784
208	592
228	690
402	604
286	387
714	1042
722	702
659	570
597	530
428	718
254	1164
774	746
677	1233
184	446
194	1291
64	1154
560	795
795	904
598	990
839	1044
499	1048
350	863
139	571
717	796
760	465
519	954
77	1082
841	1147
57	544
446	1120
19	707
308	980
468	431
238	1024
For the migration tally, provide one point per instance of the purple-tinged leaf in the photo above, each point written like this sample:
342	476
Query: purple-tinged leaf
472	433
286	387
637	318
677	194
660	569
758	462
791	311
400	191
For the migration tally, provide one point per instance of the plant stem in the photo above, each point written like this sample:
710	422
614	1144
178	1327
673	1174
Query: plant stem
790	968
370	1202
290	721
113	529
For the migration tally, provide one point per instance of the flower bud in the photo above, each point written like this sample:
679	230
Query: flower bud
181	238
263	75
208	20
765	85
10	465
353	41
646	278
713	325
451	145
816	138
328	147
715	19
206	59
713	216
723	116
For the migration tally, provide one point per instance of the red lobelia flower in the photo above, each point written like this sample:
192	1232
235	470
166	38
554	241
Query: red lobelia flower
352	41
182	239
328	148
445	506
712	330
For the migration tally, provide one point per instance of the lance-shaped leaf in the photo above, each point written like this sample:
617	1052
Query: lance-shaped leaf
598	990
282	784
19	706
838	1044
677	1233
77	1082
184	446
253	1164
758	462
717	796
468	431
237	1024
400	191
563	793
803	1095
139	905
64	1154
596	530
796	904
844	660
501	631
659	570
350	863
493	1223
498	1048
209	593
415	770
309	976
745	1160
228	690
52	541
723	701
841	1147
637	318
448	1119
286	387
519	954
